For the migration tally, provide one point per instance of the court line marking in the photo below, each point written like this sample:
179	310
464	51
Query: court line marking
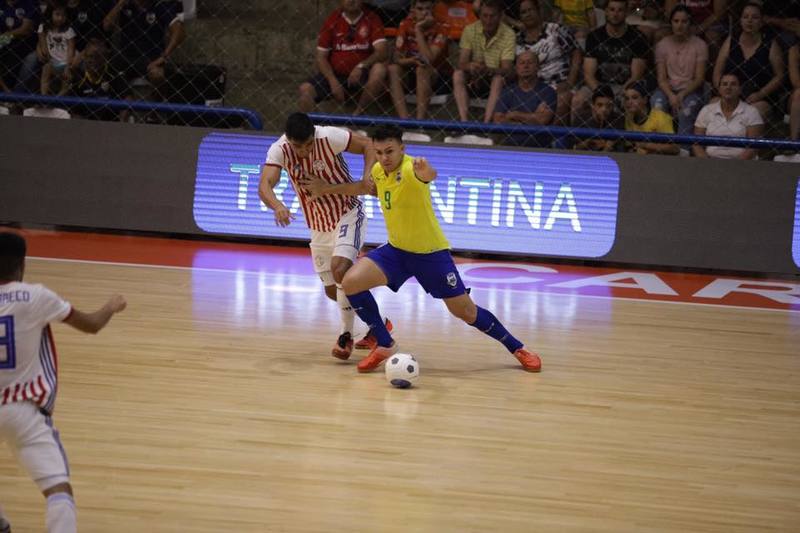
228	270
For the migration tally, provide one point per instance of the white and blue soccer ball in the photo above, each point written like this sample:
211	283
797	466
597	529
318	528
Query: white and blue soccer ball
402	370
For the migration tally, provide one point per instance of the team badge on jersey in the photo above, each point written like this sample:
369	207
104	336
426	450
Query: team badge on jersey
82	17
363	31
10	22
20	13
452	280
319	165
150	18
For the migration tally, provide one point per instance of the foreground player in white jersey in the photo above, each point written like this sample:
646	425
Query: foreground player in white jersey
29	378
337	222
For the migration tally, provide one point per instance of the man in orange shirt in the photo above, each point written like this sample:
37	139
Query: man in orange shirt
420	48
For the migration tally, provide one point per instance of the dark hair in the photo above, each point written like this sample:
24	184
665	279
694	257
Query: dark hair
754	4
602	91
389	131
299	127
47	17
12	254
680	8
640	87
492	4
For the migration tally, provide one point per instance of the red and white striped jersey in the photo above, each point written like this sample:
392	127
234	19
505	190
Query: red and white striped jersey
28	361
325	161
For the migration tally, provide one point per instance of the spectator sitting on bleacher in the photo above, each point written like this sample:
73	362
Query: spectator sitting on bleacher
150	31
485	57
708	17
528	102
96	79
616	55
56	47
638	118
456	15
728	117
419	50
755	58
351	55
646	16
681	60
559	54
601	115
86	20
17	39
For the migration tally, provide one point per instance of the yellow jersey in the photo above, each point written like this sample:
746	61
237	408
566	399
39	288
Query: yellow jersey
407	209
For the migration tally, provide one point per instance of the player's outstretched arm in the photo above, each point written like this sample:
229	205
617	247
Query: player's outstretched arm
423	170
317	187
94	322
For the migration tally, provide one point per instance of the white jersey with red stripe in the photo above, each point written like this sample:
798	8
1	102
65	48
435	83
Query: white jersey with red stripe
28	360
325	161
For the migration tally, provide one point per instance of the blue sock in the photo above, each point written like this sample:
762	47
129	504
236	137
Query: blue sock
488	323
366	308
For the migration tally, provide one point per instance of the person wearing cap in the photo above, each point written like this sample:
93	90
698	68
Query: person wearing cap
638	117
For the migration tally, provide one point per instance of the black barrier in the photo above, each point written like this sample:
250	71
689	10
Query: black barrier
671	211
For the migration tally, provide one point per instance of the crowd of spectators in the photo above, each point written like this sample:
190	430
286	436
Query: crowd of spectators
705	67
90	48
662	66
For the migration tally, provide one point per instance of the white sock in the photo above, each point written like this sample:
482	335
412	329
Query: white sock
61	514
348	315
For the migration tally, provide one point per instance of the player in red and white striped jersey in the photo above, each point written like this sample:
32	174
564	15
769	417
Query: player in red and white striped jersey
29	377
338	224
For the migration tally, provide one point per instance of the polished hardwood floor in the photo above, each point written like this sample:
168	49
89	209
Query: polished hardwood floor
212	404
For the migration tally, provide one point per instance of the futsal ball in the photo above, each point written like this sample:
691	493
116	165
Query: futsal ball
402	370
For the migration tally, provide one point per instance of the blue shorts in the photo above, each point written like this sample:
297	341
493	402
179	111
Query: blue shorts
436	272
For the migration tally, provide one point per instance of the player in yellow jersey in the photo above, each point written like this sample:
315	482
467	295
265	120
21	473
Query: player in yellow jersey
417	247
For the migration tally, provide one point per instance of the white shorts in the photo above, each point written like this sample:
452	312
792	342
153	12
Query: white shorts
344	241
34	441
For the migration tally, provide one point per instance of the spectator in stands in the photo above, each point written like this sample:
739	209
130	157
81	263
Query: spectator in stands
351	56
681	60
150	32
456	14
485	57
639	118
755	58
577	15
794	100
18	37
616	55
708	17
559	54
528	102
96	79
728	117
86	20
601	115
56	47
420	49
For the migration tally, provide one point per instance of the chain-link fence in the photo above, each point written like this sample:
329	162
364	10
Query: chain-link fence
708	67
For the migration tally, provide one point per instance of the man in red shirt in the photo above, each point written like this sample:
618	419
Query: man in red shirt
420	49
351	56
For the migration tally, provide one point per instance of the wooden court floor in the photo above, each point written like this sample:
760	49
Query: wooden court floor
212	404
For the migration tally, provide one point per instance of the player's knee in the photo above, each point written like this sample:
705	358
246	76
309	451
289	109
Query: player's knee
339	272
55	489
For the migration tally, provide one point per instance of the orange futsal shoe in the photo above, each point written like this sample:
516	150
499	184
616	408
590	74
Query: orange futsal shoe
369	341
378	355
529	360
343	347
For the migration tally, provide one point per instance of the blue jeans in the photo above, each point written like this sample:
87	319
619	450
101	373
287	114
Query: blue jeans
692	103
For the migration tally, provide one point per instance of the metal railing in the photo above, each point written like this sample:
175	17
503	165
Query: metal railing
251	117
